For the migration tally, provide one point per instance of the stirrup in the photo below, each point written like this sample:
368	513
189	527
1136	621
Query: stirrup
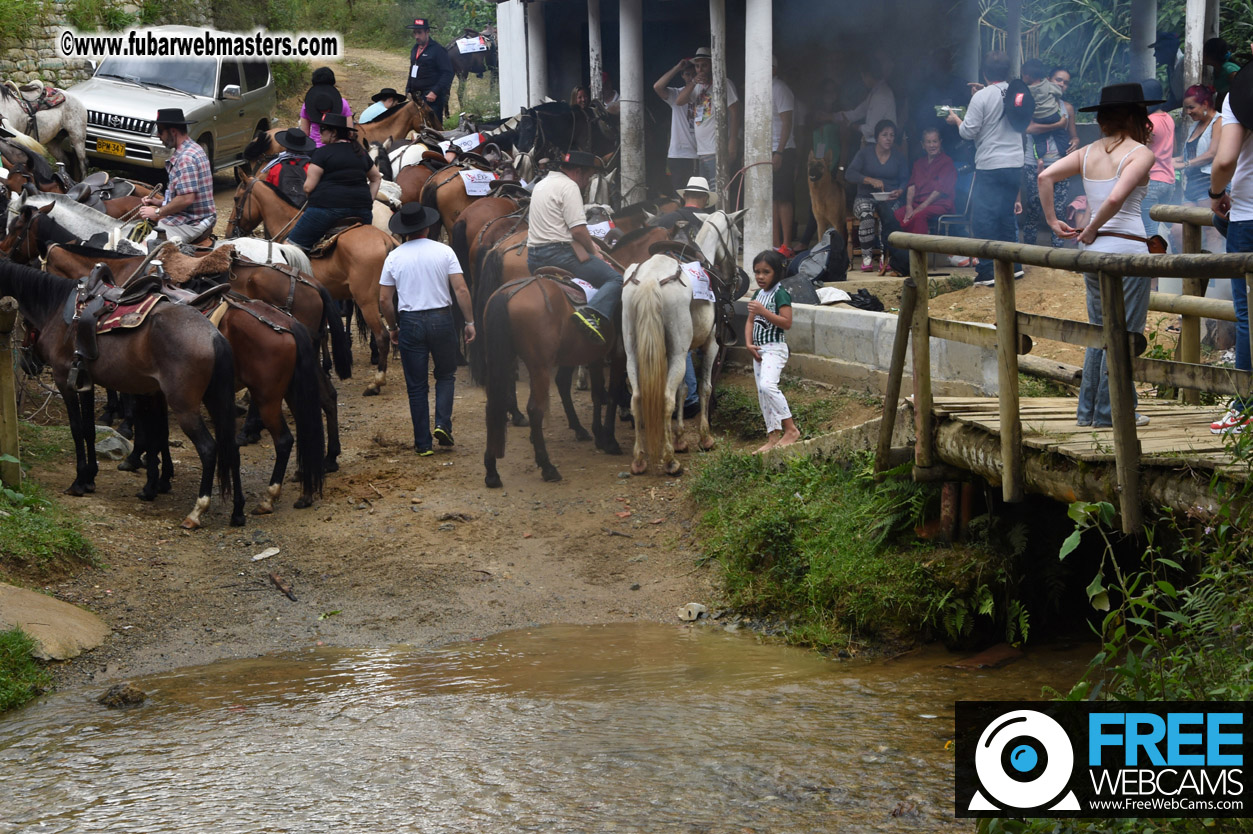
79	378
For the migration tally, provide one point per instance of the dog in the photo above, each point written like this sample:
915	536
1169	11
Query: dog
826	195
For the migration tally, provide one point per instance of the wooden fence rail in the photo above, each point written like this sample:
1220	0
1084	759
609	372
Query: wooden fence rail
10	470
1015	329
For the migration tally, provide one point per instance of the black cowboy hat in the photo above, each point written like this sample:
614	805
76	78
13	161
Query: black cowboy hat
336	120
1241	96
419	23
581	159
386	92
1119	94
171	116
295	139
412	218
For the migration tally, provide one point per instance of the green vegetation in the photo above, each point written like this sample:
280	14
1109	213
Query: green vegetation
43	443
94	15
21	676
38	537
19	20
1034	386
739	413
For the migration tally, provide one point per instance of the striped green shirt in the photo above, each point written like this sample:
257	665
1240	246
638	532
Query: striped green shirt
773	300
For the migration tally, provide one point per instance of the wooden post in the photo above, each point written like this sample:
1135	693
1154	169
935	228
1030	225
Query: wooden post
10	473
1007	381
1122	400
1190	326
1248	288
891	397
923	416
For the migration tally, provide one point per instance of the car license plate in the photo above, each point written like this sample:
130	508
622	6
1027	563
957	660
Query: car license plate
111	148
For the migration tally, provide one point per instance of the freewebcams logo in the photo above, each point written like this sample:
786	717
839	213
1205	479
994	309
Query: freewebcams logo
1024	762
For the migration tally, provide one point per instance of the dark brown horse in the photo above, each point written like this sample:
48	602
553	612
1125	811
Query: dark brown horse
176	358
470	225
412	178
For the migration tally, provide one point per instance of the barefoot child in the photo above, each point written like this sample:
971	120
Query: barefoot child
769	315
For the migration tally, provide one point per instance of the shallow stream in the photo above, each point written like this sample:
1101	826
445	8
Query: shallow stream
622	728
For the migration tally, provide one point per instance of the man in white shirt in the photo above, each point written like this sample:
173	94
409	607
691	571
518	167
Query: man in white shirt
419	278
705	121
557	236
782	158
1231	196
879	104
998	160
681	159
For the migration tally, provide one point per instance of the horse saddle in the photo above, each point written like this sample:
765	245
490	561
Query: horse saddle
326	245
99	306
509	189
33	97
724	308
181	268
91	191
570	285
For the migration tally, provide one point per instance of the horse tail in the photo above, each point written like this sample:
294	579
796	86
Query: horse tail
306	409
649	327
363	329
498	355
219	400
485	283
341	347
461	246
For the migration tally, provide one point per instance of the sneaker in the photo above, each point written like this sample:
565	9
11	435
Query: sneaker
786	251
1141	420
1233	421
985	282
1018	275
958	260
589	320
691	410
443	436
424	453
1083	424
867	262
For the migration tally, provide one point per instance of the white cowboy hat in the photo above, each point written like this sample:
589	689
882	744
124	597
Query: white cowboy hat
701	186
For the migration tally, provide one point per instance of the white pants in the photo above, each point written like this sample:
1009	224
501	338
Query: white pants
185	233
774	406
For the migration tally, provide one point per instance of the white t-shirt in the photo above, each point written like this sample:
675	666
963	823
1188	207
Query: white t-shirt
704	125
419	270
781	101
556	208
682	132
1242	178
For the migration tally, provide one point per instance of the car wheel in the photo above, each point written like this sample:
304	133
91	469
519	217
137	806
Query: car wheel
206	143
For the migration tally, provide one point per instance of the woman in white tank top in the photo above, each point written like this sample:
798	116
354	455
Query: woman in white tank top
1115	171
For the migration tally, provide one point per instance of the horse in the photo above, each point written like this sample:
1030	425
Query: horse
69	120
24	161
554	128
472	222
396	123
445	191
661	323
175	358
263	146
464	63
352	270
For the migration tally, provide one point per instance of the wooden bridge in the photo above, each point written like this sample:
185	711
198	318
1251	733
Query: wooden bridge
1035	444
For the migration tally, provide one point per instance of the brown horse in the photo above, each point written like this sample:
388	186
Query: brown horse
472	222
351	271
397	123
445	191
175	358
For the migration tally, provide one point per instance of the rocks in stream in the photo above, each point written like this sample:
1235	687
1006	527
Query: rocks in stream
122	696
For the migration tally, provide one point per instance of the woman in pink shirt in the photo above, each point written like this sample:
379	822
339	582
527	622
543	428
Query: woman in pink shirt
1162	174
323	97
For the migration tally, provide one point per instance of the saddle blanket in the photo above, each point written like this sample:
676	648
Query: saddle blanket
699	279
128	315
477	183
467	46
588	289
599	230
469	143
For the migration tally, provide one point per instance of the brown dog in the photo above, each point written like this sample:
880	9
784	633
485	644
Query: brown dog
826	196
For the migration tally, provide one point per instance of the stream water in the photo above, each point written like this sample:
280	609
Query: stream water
640	728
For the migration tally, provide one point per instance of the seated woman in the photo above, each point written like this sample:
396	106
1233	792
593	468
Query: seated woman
932	186
341	181
323	97
580	97
876	169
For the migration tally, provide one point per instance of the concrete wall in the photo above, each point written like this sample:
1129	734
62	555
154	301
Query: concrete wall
841	345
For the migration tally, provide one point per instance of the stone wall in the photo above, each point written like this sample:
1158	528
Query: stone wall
39	57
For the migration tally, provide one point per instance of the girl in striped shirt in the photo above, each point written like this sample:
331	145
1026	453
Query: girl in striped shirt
769	316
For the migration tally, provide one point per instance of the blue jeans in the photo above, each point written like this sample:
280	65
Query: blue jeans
1094	405
707	167
317	220
428	335
992	210
689	380
1159	192
1240	239
594	271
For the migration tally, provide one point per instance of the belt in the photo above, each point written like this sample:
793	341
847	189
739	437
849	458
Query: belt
447	309
565	243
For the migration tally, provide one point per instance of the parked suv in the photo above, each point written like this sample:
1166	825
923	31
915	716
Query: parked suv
226	100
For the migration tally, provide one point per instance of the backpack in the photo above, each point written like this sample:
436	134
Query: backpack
1019	105
827	261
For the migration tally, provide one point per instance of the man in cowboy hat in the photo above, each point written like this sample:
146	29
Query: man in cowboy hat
430	70
419	279
558	224
286	172
697	199
704	119
1231	196
186	211
384	100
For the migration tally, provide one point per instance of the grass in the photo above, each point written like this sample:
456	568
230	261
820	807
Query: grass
40	444
739	413
22	678
1034	386
38	537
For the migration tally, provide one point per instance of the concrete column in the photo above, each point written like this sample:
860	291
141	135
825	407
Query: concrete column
512	48
718	45
967	66
1143	33
595	57
1013	35
1211	19
758	179
631	180
1193	40
537	53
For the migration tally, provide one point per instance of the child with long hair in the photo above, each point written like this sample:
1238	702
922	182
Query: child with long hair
769	317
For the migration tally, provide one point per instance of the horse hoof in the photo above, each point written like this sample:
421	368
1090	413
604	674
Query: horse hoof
75	489
145	495
674	468
520	421
371	391
707	444
332	465
263	509
551	474
90	486
303	503
238	520
246	439
582	436
493	482
681	448
639	467
612	448
128	465
189	524
163	487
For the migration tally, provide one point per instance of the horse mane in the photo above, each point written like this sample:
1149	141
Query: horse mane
43	295
258	147
632	236
38	165
92	251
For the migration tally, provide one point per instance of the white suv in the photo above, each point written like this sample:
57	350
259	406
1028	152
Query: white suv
225	100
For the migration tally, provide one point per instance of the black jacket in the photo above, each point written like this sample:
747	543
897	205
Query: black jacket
433	71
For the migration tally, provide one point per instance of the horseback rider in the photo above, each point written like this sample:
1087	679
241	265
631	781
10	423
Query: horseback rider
384	100
341	181
279	173
697	199
430	70
186	211
558	237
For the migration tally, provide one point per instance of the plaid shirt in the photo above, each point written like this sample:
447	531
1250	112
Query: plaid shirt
189	174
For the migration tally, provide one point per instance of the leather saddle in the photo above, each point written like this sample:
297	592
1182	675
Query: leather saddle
564	279
98	305
326	245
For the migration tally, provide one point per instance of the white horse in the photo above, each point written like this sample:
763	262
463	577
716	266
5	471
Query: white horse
70	118
661	323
